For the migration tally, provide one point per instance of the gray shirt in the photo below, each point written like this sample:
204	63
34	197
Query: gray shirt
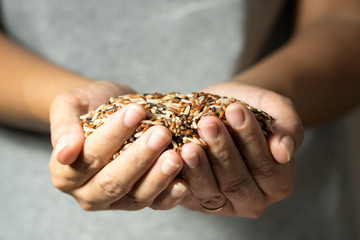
162	45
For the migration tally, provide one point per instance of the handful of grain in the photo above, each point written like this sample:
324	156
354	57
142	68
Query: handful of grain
178	112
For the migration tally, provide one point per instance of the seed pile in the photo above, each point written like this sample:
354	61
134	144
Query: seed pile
178	112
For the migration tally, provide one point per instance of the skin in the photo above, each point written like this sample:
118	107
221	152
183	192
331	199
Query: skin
243	170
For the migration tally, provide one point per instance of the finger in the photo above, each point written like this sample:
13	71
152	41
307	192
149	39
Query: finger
118	177
153	183
100	146
231	173
198	173
172	196
273	178
288	131
67	136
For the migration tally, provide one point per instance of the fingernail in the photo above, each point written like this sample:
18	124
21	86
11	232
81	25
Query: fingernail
61	144
287	143
210	132
169	167
133	115
191	159
177	190
235	116
158	140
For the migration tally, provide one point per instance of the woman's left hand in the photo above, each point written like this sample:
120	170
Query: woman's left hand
241	173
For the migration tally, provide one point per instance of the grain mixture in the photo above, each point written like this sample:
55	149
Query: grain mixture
178	112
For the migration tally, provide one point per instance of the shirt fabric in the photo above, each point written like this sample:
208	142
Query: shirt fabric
163	45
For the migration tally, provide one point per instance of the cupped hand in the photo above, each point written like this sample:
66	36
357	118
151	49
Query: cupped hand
241	172
143	175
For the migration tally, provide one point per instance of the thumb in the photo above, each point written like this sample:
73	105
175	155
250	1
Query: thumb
288	135
67	136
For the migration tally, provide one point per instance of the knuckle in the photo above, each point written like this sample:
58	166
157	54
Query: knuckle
283	193
110	188
59	124
88	162
140	157
158	186
135	158
252	141
61	184
286	192
214	201
263	170
92	159
160	205
238	187
137	203
156	205
58	129
223	159
256	212
198	181
89	206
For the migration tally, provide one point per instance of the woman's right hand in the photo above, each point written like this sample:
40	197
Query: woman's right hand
143	175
